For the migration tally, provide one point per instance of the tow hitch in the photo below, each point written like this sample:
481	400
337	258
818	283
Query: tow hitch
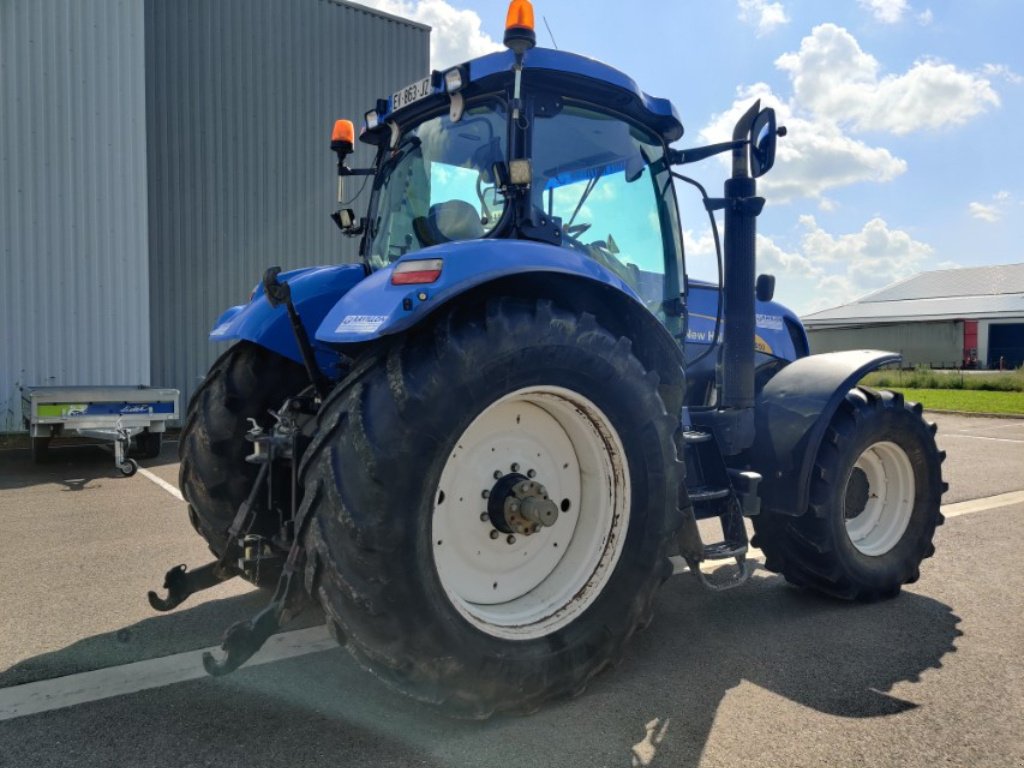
247	552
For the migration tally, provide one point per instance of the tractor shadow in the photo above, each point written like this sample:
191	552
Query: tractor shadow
322	709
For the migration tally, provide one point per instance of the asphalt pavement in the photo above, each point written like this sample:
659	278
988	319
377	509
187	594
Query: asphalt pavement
763	675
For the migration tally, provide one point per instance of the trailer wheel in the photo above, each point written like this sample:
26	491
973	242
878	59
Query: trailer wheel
493	501
875	497
128	467
214	476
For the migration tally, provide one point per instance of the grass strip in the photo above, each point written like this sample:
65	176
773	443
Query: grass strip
965	400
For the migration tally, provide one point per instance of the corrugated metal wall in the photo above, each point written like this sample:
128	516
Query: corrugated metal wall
74	276
242	95
931	343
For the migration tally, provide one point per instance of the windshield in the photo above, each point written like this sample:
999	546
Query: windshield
595	172
438	184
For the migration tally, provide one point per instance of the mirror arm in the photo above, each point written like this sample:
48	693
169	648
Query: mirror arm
742	128
684	156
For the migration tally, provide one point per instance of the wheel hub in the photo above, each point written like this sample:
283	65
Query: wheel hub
520	505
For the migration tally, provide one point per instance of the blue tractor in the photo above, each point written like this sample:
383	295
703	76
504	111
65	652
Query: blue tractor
482	448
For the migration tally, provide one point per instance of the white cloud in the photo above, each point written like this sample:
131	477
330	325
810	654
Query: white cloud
983	212
991	212
816	155
833	77
456	35
925	17
764	15
837	91
826	269
1002	71
886	11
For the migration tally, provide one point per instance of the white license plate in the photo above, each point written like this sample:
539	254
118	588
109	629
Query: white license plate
411	93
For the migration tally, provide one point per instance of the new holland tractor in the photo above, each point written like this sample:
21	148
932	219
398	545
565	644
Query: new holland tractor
482	448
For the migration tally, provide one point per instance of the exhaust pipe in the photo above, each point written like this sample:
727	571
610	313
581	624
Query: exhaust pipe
736	366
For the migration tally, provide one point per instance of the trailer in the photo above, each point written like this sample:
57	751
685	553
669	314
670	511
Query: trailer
112	414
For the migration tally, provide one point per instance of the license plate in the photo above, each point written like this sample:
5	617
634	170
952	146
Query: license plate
411	93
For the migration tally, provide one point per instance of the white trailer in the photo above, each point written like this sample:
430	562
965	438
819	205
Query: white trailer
111	414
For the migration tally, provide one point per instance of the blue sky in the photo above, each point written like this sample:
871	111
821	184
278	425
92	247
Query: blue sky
906	120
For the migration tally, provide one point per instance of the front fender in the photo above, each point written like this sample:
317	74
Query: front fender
792	412
376	308
314	291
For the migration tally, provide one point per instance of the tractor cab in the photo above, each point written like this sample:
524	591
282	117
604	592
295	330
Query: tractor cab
557	149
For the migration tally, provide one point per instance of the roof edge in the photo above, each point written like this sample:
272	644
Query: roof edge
382	14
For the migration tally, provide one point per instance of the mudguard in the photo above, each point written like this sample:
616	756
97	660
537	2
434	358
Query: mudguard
314	291
376	308
791	414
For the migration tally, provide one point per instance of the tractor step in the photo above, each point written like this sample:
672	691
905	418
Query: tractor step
725	550
726	577
707	493
694	437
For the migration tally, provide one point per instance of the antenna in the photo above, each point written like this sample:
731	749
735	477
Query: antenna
549	32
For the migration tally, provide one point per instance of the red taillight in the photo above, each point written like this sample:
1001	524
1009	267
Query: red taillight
417	272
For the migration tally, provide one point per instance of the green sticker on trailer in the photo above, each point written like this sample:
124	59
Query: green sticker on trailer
50	410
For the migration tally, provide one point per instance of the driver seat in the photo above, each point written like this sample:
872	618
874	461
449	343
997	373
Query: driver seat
447	221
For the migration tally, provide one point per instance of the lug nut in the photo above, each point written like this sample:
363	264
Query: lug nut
531	473
484	517
497	474
511	539
485	493
495	534
515	467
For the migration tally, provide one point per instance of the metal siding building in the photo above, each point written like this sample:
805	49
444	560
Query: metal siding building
935	319
74	276
242	98
156	157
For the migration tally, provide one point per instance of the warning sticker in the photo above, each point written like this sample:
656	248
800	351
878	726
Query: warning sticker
361	323
771	322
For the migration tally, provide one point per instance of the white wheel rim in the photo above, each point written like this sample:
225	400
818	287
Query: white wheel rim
886	515
543	581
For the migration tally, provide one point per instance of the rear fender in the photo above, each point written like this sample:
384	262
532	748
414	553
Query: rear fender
376	308
792	412
314	291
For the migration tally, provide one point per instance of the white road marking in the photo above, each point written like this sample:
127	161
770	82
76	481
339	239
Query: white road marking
982	437
162	483
84	687
981	505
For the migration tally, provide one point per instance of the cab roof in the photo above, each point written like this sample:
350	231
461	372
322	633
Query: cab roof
587	78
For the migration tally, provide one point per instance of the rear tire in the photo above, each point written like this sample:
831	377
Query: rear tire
874	503
214	477
405	448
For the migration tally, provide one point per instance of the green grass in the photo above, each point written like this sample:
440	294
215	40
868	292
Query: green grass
925	378
966	400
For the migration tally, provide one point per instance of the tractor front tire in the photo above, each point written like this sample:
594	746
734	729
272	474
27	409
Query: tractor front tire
214	477
412	465
874	503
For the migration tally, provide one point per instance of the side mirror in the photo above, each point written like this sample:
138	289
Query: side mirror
762	142
765	287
